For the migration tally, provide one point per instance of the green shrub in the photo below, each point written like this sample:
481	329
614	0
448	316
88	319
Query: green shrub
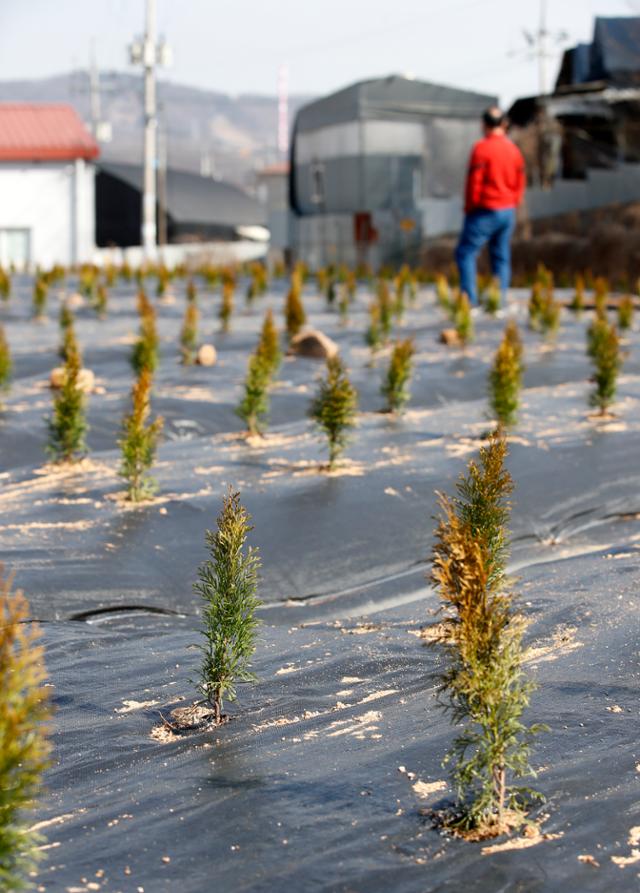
228	586
139	441
385	309
67	424
254	405
145	350
625	313
294	313
226	307
483	685
24	730
343	305
607	362
40	293
269	344
597	331
577	302
6	363
549	315
373	335
396	384
399	304
5	285
189	334
192	292
69	343
536	301
102	300
462	319
505	381
334	408
492	298
443	293
512	334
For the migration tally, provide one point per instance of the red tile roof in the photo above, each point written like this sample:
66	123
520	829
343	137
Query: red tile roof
43	132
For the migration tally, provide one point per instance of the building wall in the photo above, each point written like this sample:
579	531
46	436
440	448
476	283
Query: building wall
273	193
55	204
381	165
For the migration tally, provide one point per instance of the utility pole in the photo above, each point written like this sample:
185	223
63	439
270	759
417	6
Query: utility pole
283	111
149	53
542	49
538	43
100	129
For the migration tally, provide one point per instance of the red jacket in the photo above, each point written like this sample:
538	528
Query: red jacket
496	177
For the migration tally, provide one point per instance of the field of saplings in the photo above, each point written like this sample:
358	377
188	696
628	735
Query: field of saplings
318	581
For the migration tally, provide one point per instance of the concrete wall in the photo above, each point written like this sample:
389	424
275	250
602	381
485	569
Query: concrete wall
600	188
209	252
55	204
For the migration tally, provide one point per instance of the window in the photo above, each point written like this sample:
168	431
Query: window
15	248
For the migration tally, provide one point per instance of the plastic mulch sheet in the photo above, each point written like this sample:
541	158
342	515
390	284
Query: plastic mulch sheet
303	788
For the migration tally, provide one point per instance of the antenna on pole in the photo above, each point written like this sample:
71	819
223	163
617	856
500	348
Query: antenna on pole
283	110
149	53
538	44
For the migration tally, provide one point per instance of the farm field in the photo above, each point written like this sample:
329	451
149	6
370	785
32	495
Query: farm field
321	778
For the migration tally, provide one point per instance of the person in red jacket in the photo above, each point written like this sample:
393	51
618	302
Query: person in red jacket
496	181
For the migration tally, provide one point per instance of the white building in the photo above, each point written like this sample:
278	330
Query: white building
47	195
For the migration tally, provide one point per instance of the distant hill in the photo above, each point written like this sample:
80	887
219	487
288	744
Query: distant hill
233	135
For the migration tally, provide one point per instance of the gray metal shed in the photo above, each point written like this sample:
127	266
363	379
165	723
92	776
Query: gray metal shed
366	160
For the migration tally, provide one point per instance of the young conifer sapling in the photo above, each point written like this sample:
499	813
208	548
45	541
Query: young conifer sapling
67	424
226	307
228	585
254	405
269	344
396	384
40	292
607	362
6	363
625	313
492	297
577	302
385	307
462	319
483	686
505	381
145	350
24	755
373	334
334	408
294	313
102	300
139	441
189	334
5	285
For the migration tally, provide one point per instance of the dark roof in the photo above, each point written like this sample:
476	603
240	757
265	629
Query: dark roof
197	200
391	97
43	132
612	56
616	47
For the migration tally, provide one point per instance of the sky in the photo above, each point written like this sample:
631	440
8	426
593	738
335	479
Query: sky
238	47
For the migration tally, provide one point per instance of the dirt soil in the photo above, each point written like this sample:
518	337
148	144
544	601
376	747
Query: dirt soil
322	776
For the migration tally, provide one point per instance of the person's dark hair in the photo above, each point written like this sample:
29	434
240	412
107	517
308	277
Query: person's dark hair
493	117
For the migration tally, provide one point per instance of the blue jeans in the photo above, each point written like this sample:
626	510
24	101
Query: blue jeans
480	227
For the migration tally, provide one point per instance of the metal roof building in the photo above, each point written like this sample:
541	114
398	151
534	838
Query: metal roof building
594	109
378	165
46	184
197	208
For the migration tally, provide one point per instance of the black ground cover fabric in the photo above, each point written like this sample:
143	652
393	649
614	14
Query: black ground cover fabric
302	789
